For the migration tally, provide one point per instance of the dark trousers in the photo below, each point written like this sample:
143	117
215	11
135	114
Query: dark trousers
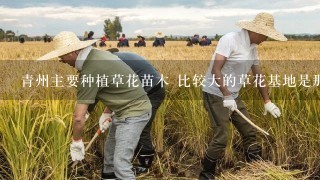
145	146
221	117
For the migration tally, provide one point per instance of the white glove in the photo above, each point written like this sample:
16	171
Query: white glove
272	109
229	102
77	150
87	116
105	121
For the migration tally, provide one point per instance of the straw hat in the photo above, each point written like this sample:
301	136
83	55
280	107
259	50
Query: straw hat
159	35
263	23
64	43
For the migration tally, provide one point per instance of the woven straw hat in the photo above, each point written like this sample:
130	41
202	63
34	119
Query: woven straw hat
64	43
159	35
263	23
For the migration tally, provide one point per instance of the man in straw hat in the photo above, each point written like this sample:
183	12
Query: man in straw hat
130	104
235	55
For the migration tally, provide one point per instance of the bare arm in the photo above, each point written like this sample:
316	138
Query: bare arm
262	89
216	70
78	120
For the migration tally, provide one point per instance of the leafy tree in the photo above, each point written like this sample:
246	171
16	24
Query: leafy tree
117	26
112	28
107	27
217	37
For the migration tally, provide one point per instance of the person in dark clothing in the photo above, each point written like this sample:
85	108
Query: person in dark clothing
150	78
21	39
195	39
141	42
205	41
123	41
90	37
159	41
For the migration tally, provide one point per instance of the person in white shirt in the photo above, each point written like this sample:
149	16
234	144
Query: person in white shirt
236	53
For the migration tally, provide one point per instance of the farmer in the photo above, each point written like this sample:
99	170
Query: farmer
123	41
195	39
90	37
150	78
205	41
141	42
130	104
235	55
159	41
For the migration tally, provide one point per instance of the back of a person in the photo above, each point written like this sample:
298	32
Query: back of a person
159	42
141	67
195	40
114	90
208	41
162	41
203	42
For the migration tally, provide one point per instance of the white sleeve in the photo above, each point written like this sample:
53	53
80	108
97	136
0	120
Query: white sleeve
225	46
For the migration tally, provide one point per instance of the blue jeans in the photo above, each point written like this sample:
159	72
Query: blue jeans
120	145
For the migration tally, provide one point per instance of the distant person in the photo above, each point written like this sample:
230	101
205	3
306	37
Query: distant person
90	37
189	42
141	42
195	39
205	41
21	39
159	41
236	54
123	41
103	41
47	38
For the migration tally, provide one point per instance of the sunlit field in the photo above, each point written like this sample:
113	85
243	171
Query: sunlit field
36	123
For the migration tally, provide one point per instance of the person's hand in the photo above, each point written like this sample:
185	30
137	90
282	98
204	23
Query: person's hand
272	109
77	150
105	121
229	102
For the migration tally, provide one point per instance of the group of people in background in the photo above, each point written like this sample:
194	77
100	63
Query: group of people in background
158	42
124	42
89	36
195	40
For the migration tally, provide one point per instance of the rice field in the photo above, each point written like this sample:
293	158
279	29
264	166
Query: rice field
35	123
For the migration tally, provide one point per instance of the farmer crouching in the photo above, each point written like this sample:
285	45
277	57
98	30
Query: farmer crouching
235	54
130	104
